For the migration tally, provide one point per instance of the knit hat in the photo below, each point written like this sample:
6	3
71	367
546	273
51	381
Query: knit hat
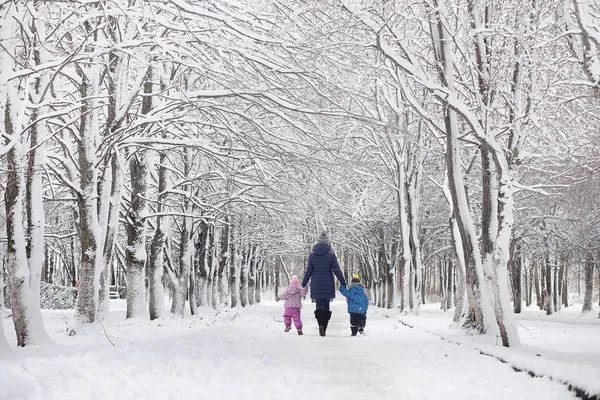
355	278
323	238
294	281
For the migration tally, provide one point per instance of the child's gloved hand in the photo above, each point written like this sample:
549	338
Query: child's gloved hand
277	298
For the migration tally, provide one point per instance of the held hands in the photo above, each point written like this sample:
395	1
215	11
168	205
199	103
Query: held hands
277	298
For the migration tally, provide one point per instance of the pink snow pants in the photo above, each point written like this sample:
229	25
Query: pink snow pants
292	313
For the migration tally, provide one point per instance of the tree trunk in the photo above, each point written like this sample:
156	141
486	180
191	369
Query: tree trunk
564	287
192	287
517	271
179	294
4	346
257	293
2	283
111	225
537	274
35	203
22	299
589	284
24	271
185	264
449	283
528	283
110	207
156	304
224	260
401	285
276	275
252	275
404	230
186	243
234	288
461	290
443	287
480	313
89	226
415	244
549	303
245	259
202	268
556	288
135	253
505	318
211	267
579	275
424	280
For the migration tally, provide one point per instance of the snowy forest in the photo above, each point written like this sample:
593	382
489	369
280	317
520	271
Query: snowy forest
184	154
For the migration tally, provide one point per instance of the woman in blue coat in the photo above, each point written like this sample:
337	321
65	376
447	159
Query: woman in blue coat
322	265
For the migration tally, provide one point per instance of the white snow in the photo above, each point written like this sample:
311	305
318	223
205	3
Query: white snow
244	353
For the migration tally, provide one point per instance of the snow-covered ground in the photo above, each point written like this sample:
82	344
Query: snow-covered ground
244	354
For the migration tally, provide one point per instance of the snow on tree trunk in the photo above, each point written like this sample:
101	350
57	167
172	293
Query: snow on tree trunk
2	287
588	284
89	226
252	276
479	312
192	284
234	280
35	207
405	235
244	276
210	256
15	96
156	304
224	260
556	289
135	252
496	246
110	208
413	207
516	263
504	314
214	271
202	268
23	303
179	293
110	200
258	287
155	273
186	242
185	267
537	285
449	283
548	276
565	282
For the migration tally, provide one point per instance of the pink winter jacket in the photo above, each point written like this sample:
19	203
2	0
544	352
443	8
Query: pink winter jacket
293	296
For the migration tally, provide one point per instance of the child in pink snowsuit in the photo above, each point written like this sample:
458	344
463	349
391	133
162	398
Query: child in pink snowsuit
293	295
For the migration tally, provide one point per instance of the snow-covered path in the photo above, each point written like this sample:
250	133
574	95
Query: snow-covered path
246	355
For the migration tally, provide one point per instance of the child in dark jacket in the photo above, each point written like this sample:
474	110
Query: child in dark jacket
358	303
293	295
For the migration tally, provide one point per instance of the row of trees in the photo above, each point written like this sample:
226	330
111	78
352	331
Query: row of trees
201	147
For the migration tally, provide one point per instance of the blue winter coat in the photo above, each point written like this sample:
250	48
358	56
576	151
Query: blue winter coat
358	302
322	264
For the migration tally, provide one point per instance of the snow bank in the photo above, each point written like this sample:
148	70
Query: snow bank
564	346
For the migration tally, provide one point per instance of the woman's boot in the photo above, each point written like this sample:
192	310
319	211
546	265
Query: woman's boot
320	316
326	318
